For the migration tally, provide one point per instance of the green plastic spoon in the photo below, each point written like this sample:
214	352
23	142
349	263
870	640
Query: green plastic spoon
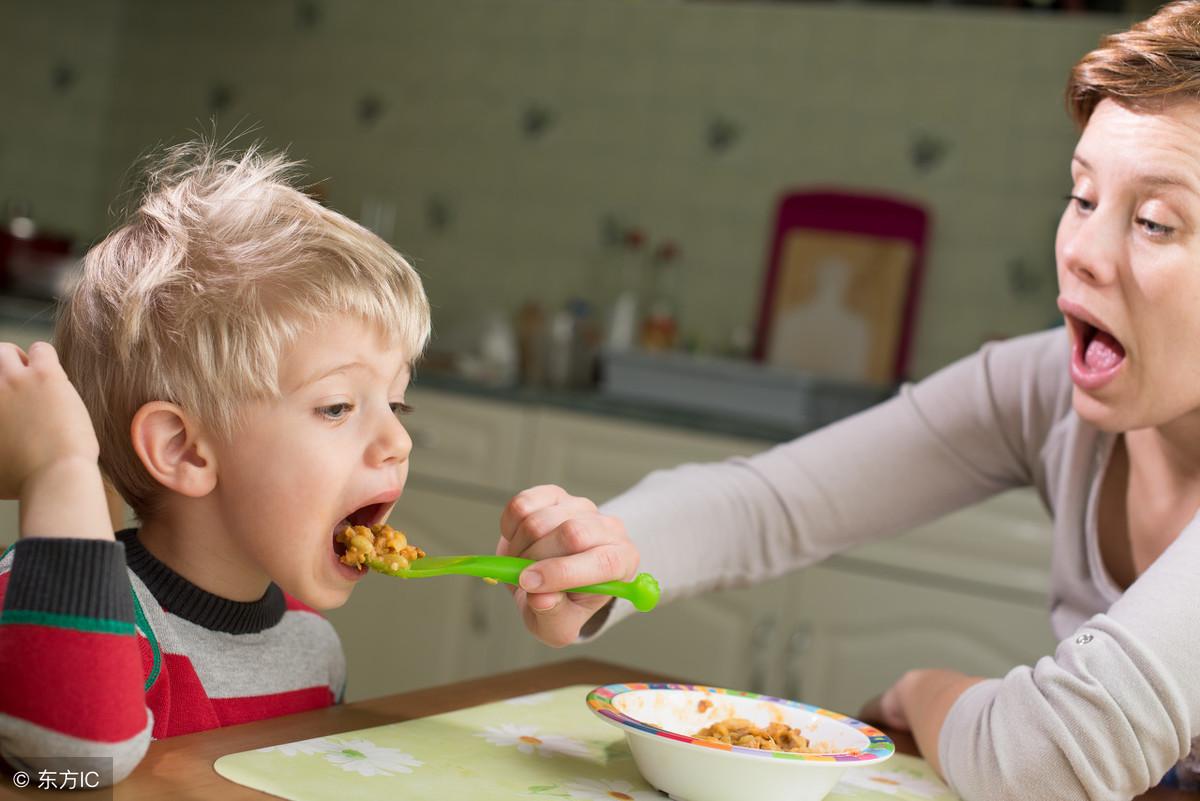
642	592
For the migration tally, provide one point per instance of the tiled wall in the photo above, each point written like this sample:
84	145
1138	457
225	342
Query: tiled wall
56	85
496	135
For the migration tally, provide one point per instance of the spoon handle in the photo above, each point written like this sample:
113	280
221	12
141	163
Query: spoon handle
643	592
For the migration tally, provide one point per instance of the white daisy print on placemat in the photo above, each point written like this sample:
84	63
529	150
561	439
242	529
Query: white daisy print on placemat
528	740
603	790
317	745
892	782
367	759
530	700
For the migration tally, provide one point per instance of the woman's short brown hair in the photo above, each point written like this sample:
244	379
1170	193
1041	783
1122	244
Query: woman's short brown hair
1156	60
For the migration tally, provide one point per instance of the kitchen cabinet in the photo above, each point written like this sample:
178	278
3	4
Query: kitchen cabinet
966	592
853	634
469	457
601	457
723	638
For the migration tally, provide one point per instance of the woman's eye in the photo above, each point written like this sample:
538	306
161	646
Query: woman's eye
335	411
400	408
1153	228
1083	204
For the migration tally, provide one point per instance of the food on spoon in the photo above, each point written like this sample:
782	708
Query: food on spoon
380	547
741	732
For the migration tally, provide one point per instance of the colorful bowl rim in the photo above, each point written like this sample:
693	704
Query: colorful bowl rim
600	701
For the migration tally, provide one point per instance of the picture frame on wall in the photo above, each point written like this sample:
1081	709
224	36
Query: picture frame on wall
840	293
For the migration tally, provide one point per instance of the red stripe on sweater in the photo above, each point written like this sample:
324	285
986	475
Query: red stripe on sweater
4	585
80	683
180	704
256	707
295	606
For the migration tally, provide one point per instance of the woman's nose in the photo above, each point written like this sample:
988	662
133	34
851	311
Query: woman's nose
391	444
1091	250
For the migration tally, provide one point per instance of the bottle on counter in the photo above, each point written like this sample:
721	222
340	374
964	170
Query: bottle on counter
573	346
623	305
660	324
531	344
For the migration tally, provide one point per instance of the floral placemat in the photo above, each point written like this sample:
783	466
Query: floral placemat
546	745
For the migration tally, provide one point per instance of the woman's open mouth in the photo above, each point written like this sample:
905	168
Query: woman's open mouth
1096	355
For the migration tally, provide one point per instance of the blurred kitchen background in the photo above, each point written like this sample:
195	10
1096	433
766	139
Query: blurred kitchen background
501	144
591	191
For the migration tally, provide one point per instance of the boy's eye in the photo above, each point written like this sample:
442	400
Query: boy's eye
335	411
400	408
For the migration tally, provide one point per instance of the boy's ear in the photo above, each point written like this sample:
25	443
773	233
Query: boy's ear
173	449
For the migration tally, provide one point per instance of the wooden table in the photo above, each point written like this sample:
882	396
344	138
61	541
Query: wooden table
180	768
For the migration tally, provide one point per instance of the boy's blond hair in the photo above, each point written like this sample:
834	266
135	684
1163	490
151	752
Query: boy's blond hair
195	297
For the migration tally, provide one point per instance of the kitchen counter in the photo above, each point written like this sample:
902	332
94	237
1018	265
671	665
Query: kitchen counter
181	767
596	402
19	311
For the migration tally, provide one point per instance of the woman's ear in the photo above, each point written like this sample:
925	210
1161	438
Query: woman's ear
173	449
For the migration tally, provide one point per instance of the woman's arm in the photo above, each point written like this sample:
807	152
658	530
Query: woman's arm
1107	716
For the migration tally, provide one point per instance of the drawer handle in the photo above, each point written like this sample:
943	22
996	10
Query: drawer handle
479	619
797	647
760	641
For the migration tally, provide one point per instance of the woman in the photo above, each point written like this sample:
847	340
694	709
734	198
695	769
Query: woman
1102	416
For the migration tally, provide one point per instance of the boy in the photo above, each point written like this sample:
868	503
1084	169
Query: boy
242	354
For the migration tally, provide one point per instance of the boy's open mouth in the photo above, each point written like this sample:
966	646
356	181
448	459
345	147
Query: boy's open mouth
367	516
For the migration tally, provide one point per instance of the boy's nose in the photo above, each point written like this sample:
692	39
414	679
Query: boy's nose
391	444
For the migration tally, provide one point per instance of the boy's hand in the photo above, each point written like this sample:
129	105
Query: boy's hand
48	448
574	545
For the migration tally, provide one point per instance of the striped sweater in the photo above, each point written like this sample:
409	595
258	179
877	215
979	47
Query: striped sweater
103	648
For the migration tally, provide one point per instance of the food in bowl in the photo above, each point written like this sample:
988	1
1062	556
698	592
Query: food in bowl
741	732
380	546
661	721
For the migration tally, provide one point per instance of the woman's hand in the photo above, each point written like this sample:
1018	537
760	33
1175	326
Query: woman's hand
919	702
48	448
574	545
887	710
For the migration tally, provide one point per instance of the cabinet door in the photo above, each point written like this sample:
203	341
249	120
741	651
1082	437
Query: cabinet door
1002	543
855	634
468	442
726	639
403	634
601	458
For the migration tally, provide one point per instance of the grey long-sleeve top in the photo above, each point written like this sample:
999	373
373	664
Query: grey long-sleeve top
1116	705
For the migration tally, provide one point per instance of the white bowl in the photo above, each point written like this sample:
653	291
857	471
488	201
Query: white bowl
659	719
